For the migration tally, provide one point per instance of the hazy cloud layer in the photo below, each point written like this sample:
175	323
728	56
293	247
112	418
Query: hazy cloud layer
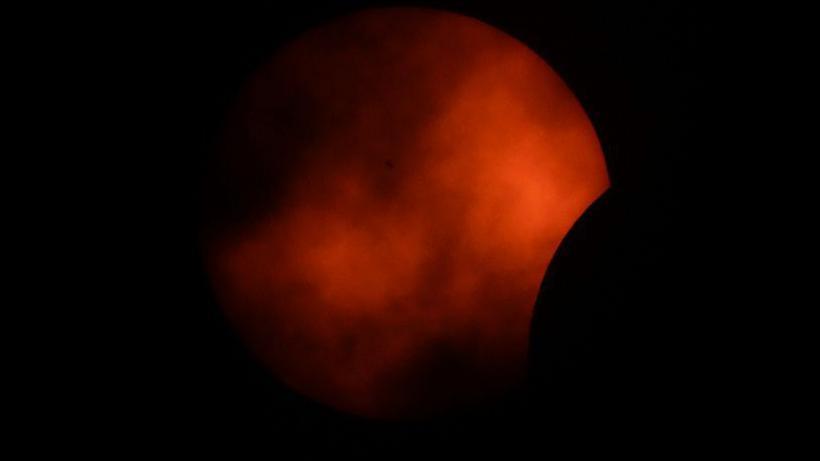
391	189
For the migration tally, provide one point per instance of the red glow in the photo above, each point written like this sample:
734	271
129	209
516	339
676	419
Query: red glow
400	179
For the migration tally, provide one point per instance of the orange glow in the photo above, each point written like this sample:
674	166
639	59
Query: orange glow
397	182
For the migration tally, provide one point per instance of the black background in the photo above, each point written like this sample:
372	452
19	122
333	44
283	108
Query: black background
611	356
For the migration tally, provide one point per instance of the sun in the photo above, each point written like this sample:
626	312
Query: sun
390	190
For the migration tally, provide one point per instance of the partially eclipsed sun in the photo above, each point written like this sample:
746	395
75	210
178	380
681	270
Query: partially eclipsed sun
390	190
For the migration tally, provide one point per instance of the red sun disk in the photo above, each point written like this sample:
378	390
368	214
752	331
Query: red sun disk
399	180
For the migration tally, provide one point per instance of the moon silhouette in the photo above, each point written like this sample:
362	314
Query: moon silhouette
388	193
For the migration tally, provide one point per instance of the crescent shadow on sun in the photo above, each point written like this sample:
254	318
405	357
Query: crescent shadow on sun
576	298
